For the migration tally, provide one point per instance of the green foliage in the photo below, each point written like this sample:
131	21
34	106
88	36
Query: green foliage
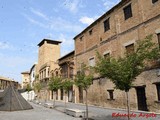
123	71
36	77
67	84
55	83
28	88
38	86
82	79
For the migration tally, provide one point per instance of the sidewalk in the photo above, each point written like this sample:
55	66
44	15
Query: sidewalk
100	113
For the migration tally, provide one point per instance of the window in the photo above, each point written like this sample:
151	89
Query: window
154	1
130	49
127	12
158	91
81	38
48	72
107	55
100	39
92	62
78	72
110	94
90	32
44	73
158	36
33	75
106	25
56	73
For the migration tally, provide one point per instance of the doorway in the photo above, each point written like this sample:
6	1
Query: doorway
61	94
80	94
141	98
70	94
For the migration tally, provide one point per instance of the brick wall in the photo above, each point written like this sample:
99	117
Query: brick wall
145	20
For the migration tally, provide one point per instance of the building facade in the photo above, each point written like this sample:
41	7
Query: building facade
66	64
33	74
48	55
25	79
6	82
113	34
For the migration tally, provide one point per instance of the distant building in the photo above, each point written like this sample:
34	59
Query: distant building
25	79
33	74
6	82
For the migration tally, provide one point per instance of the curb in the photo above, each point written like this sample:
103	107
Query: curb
118	109
137	111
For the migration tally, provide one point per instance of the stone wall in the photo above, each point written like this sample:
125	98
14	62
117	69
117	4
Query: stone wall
145	20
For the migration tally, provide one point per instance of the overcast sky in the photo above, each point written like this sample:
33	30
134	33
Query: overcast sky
24	23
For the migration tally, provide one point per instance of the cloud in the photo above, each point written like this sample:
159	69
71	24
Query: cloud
13	61
109	4
59	24
36	22
72	5
88	20
38	13
6	45
66	40
12	65
67	44
54	23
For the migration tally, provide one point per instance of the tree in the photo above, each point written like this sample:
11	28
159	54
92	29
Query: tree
123	71
54	84
66	85
37	87
28	89
83	81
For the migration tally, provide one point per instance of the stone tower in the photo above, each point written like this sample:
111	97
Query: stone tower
48	54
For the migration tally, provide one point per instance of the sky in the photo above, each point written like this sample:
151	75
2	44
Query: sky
24	23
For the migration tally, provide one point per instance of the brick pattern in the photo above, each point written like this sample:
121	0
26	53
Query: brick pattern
144	21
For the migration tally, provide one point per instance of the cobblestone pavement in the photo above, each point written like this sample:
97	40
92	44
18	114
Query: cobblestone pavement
99	113
38	113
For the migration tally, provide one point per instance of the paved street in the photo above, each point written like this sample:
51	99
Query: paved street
99	113
38	113
96	113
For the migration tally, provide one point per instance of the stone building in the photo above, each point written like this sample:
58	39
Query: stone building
6	82
25	79
114	34
66	64
48	54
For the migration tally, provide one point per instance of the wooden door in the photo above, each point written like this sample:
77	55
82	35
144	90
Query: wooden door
141	98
